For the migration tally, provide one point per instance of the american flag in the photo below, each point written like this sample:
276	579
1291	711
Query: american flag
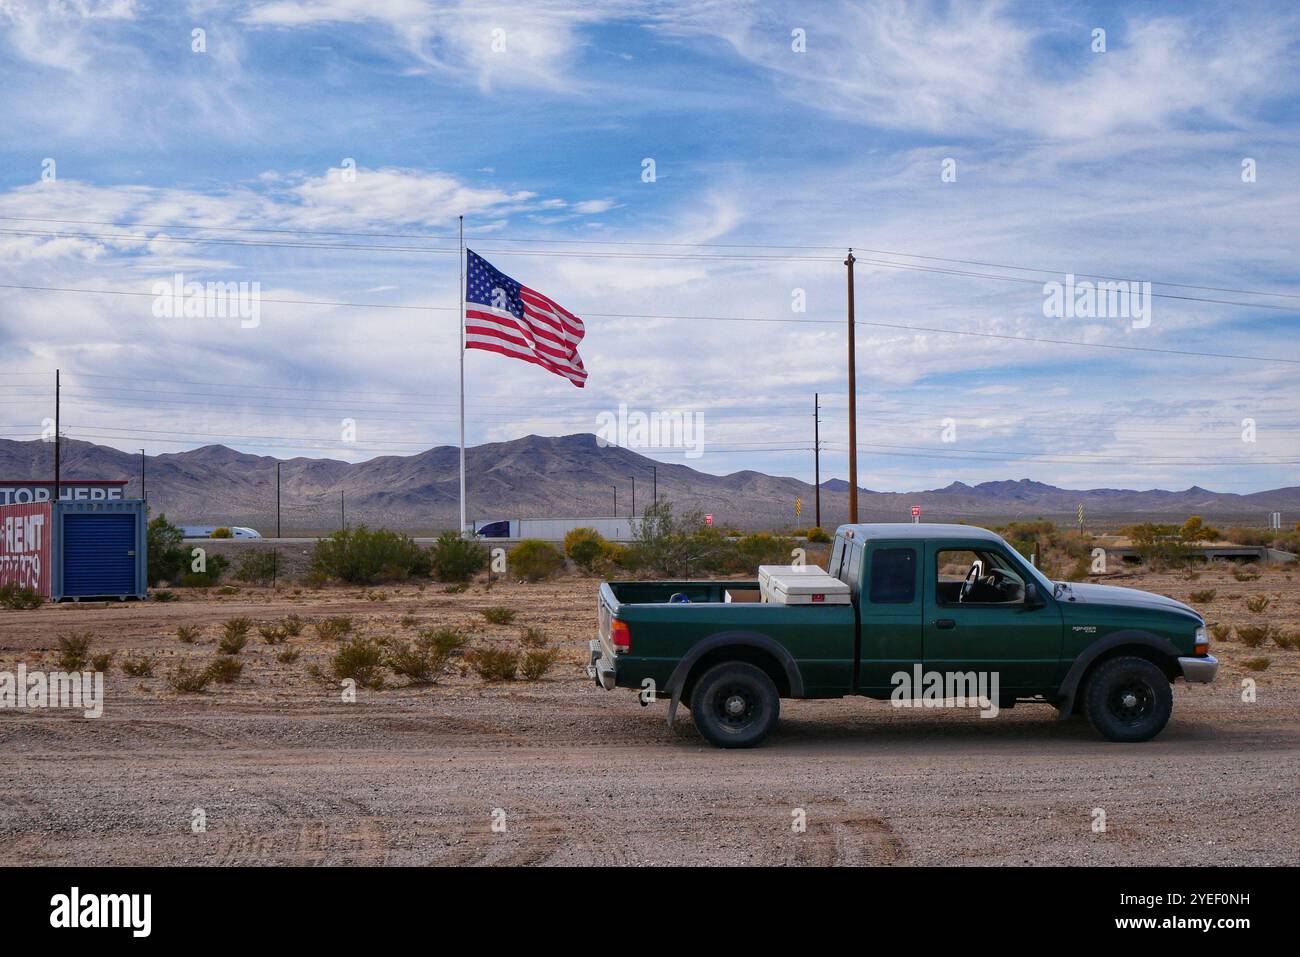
503	316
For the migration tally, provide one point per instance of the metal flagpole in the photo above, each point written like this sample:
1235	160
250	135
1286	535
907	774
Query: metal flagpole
461	293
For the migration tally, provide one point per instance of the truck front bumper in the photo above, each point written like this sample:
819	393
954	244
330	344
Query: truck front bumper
601	666
1199	669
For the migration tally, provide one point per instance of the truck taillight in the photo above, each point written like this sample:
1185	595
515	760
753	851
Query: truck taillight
620	635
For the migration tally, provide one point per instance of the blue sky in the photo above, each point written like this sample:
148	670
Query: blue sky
534	120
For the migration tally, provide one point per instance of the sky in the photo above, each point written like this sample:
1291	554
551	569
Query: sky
688	178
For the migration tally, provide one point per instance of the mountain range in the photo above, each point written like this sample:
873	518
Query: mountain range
570	476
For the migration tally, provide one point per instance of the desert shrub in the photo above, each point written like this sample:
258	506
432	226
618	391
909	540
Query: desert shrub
408	621
185	680
361	660
214	566
536	662
163	595
620	556
272	634
533	559
760	548
1253	636
1221	632
360	556
534	638
1255	664
332	629
141	667
585	546
1257	603
74	648
819	536
101	662
494	664
457	589
167	559
222	532
1158	544
455	558
20	597
498	615
1250	536
1285	640
225	669
258	567
1203	596
424	660
1244	573
291	625
187	634
672	546
234	635
1195	530
287	656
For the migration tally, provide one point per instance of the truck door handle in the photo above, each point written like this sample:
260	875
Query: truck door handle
945	623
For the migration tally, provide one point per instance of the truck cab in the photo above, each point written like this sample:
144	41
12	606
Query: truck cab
931	608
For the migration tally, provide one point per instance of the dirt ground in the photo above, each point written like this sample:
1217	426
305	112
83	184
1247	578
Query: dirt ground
283	771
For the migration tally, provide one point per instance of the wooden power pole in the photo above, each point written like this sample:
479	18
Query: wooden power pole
817	462
853	401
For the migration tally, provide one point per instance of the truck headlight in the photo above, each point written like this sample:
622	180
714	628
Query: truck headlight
1202	641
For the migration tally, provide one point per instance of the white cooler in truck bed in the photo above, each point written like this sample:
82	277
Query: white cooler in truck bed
800	585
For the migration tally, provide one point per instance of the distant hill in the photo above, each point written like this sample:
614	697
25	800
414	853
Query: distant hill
538	476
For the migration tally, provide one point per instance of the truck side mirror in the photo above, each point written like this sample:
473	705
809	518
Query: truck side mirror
1032	598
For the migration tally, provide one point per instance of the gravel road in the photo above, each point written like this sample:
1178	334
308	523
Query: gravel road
280	770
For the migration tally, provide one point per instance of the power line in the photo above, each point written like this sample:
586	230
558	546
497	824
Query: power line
643	316
497	237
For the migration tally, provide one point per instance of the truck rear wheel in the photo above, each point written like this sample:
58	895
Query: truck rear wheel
735	705
1128	699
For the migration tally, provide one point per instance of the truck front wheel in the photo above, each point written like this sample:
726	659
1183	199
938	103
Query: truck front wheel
735	705
1128	699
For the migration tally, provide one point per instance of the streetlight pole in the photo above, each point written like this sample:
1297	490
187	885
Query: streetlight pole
143	495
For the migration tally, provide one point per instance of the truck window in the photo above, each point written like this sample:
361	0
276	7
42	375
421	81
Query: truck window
993	579
837	553
893	576
852	567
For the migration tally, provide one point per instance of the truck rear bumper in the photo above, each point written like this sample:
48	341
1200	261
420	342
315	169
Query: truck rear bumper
601	666
1199	669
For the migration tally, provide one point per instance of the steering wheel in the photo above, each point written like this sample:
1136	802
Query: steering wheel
975	573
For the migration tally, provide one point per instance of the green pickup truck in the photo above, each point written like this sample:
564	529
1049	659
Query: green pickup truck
933	614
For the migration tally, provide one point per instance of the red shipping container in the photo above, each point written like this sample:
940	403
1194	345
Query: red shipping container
25	534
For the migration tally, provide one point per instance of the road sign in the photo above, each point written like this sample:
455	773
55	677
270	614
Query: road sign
798	507
1080	514
916	512
708	519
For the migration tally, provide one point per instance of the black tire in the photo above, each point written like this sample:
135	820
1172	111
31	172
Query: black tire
1128	699
735	705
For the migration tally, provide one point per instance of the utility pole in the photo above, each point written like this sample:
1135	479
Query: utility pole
615	488
277	499
853	401
654	487
343	511
142	493
634	496
57	443
817	461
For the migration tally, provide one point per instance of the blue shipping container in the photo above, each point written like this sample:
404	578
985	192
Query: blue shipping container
100	550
